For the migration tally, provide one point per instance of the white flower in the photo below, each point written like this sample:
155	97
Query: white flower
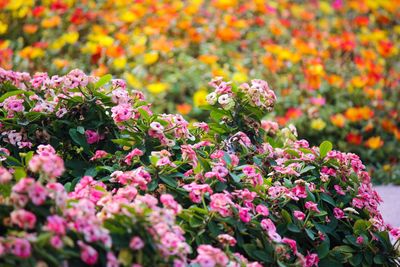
224	99
157	126
211	98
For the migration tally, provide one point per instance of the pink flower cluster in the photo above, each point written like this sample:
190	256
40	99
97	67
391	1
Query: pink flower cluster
47	162
259	94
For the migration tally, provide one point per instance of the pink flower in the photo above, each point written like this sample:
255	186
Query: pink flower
226	239
317	101
268	225
263	210
56	242
134	153
13	104
136	243
56	224
197	191
338	189
299	215
76	78
88	254
338	213
209	256
395	232
5	175
37	193
21	248
244	215
47	162
300	191
312	260
312	206
99	154
92	137
221	204
270	228
169	202
89	189
360	240
291	243
122	112
23	219
220	172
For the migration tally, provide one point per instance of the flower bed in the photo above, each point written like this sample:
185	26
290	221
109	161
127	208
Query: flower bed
332	63
91	176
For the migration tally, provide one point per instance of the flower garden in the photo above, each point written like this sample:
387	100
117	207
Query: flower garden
145	133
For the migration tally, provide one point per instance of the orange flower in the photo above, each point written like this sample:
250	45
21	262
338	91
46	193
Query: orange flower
356	114
184	108
374	142
208	59
30	28
51	22
227	34
338	120
388	125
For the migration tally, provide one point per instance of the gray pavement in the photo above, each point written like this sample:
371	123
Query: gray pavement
390	208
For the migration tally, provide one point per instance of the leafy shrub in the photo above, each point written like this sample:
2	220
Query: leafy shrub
333	64
91	176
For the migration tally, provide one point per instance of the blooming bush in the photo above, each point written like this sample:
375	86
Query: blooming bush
90	175
333	64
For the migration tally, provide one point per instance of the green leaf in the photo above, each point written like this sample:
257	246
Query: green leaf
310	234
323	249
19	173
328	199
360	226
28	157
286	216
169	181
379	259
324	148
102	81
67	187
344	249
235	177
195	222
12	93
80	130
356	260
79	139
91	172
293	228
307	168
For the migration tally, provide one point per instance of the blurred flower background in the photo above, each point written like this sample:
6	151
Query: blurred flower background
333	64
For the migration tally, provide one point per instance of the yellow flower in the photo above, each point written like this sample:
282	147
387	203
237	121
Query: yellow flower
374	142
119	63
199	98
70	37
240	77
3	27
325	7
60	63
150	58
132	80
318	124
358	81
128	16
157	88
